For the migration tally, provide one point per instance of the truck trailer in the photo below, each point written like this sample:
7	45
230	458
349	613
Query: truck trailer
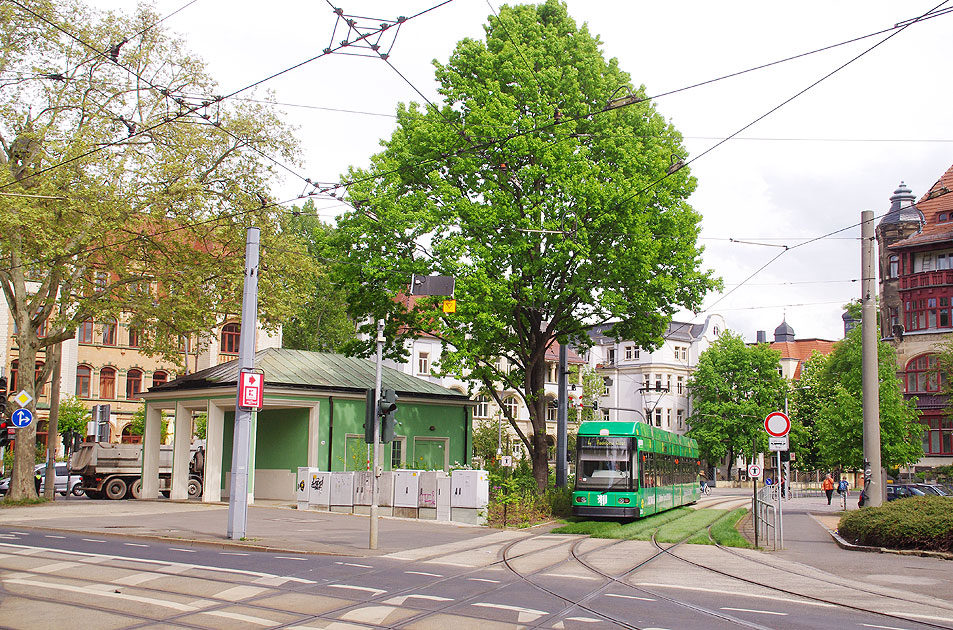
114	471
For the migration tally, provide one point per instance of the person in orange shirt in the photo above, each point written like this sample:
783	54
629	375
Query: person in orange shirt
828	487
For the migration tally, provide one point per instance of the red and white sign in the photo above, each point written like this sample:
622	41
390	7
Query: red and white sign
777	424
754	470
250	389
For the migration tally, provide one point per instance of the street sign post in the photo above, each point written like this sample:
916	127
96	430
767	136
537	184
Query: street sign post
754	470
777	424
777	444
251	389
21	418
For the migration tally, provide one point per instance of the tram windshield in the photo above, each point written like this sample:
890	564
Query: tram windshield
604	463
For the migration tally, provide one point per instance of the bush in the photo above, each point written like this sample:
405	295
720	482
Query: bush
924	523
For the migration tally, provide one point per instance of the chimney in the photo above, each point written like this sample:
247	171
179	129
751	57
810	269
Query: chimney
762	336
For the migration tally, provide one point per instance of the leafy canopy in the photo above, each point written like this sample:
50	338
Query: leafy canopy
552	212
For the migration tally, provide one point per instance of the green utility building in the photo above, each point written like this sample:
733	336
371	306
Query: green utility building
313	415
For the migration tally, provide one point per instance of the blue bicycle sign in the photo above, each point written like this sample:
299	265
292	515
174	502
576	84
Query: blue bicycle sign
21	418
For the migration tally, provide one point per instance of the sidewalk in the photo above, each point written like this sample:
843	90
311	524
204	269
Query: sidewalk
274	527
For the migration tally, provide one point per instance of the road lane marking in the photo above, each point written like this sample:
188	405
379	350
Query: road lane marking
237	593
375	591
760	612
92	540
258	621
135	545
354	564
400	599
524	614
736	594
643	599
584	619
571	577
169	566
20	533
91	591
368	614
288	558
52	536
871	625
182	550
451	564
137	578
930	617
54	567
9	536
423	573
232	553
484	580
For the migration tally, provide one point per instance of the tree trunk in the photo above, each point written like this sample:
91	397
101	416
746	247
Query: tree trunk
731	461
22	485
536	399
52	433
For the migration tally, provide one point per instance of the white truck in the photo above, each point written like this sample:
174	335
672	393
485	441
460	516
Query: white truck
114	471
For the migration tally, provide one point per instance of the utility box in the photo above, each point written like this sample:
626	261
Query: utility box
427	494
303	487
362	492
443	499
385	493
406	491
342	491
469	496
320	498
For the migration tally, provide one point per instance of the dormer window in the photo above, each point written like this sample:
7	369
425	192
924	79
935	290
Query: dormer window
944	217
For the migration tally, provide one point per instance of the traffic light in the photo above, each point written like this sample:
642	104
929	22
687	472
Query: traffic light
3	396
4	432
370	416
388	410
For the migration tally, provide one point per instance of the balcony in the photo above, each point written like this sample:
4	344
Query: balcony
943	277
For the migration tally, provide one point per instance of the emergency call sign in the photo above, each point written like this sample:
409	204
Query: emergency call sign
251	387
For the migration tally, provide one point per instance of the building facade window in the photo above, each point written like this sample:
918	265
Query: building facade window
680	416
84	375
937	436
658	417
133	383
551	410
680	385
631	353
512	407
231	334
894	267
610	356
397	453
482	408
109	332
133	337
107	383
159	378
922	375
423	363
85	332
668	418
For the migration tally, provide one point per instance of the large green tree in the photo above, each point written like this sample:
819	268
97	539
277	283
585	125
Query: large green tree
320	322
553	211
809	396
733	388
126	187
839	425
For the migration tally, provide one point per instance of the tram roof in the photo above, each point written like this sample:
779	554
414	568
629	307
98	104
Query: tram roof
636	429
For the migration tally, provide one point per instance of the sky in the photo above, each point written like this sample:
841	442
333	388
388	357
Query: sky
805	170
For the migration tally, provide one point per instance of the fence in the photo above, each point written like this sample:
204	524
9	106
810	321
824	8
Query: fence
764	510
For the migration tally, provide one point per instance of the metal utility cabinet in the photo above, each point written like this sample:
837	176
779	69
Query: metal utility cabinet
469	496
342	491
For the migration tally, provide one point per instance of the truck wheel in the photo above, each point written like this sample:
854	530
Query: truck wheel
195	488
136	489
78	489
115	488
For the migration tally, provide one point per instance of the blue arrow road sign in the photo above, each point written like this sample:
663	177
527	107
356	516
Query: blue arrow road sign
21	418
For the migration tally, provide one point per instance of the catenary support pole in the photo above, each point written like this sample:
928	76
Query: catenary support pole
562	418
241	443
871	378
376	471
780	514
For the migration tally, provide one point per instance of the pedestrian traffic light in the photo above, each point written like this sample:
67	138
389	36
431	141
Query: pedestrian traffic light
388	410
370	416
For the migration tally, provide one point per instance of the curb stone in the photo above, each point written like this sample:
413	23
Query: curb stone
841	542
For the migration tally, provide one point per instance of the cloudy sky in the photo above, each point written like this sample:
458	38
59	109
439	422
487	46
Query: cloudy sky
805	170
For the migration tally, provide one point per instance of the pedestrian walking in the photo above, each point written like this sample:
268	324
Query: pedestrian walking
784	482
828	487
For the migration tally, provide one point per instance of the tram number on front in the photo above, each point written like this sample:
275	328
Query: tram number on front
603	499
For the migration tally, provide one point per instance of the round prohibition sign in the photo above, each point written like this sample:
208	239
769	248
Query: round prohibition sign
777	424
754	470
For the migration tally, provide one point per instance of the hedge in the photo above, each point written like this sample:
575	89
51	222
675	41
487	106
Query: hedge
924	523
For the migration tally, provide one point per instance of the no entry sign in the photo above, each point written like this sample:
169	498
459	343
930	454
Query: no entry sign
777	424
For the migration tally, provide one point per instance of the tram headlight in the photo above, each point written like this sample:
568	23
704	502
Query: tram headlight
623	499
580	499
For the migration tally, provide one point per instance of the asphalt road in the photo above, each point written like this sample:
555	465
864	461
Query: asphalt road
60	580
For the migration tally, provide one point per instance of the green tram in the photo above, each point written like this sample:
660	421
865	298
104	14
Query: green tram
632	469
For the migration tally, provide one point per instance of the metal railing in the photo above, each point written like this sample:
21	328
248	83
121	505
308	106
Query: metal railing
764	514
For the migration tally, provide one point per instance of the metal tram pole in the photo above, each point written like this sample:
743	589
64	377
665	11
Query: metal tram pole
871	384
562	419
780	514
241	444
376	471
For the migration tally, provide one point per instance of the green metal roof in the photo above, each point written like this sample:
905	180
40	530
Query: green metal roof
313	371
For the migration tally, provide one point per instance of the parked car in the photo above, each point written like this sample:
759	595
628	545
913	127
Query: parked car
904	490
943	491
76	485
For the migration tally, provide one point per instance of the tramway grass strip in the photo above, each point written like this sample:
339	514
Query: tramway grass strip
615	529
725	532
687	526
